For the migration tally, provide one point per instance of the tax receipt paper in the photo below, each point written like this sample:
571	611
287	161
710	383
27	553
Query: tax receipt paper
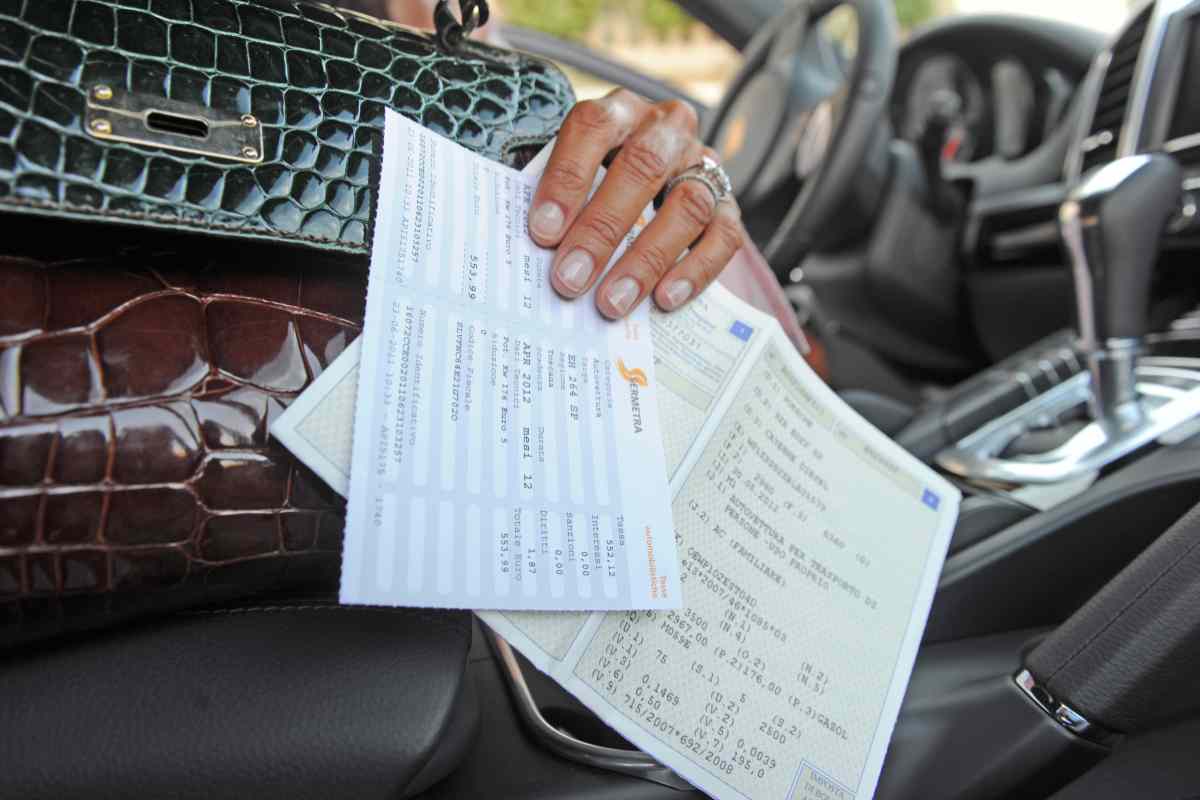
506	450
810	545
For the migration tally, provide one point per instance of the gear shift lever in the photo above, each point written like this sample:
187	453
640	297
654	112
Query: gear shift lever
1111	223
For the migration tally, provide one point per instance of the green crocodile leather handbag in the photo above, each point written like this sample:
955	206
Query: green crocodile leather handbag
260	119
186	194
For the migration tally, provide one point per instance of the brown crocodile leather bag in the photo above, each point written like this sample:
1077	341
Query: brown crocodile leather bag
186	194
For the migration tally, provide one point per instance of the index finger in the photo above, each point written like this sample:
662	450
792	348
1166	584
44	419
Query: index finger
590	131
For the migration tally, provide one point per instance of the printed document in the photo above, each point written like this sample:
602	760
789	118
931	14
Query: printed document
810	546
507	451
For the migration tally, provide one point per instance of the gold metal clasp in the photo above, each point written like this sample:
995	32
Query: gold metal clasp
113	114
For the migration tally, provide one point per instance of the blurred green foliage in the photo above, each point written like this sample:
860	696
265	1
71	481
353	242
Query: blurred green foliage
663	17
572	19
567	19
914	12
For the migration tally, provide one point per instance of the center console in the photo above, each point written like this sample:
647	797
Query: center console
1122	401
1083	447
1068	636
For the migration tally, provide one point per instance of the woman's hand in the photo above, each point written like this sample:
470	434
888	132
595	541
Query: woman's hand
657	142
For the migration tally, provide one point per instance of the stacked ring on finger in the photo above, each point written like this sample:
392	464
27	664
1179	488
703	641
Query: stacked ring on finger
709	173
694	234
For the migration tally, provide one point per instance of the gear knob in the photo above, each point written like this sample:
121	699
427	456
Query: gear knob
1111	223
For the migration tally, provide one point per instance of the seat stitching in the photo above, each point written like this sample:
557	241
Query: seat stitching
1187	523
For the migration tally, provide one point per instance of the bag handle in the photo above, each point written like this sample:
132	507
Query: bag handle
450	31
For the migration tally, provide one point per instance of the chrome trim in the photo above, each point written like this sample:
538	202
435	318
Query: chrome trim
1089	92
1168	395
1185	217
1143	76
634	763
1114	390
1071	223
1097	140
114	114
1059	711
1182	143
1190	322
1108	177
1140	85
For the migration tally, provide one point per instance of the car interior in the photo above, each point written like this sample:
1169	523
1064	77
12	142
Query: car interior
988	230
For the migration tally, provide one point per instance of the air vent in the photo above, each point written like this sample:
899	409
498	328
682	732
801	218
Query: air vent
1100	145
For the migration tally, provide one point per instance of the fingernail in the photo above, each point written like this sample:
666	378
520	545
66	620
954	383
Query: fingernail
679	292
575	270
546	220
621	295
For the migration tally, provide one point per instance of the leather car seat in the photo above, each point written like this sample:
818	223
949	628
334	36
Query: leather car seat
287	701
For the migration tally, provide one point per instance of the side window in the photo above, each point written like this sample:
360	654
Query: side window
655	38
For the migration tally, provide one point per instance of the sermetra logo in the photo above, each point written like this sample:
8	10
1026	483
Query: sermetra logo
636	379
632	375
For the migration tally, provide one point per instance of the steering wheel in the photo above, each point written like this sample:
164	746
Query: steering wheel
791	114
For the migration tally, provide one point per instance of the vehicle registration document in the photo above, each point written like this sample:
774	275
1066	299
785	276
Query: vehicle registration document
810	547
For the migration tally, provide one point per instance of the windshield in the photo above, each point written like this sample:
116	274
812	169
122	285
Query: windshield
659	38
1100	15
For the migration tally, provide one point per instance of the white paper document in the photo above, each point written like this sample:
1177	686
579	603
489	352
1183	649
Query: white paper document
810	547
507	451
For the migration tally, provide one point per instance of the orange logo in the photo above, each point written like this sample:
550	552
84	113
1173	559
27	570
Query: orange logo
632	375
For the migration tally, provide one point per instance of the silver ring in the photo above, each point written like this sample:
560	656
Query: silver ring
709	173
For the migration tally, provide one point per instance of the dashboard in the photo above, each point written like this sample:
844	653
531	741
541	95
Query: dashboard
1033	105
1001	85
1006	112
1137	93
1141	97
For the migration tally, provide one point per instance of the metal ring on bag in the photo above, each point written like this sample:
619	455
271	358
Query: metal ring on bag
709	173
450	31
